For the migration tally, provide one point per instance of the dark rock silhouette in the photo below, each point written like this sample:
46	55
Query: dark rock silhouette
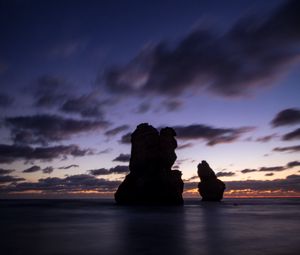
151	179
209	187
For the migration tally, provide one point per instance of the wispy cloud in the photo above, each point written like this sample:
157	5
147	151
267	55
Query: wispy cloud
11	153
210	134
295	148
43	129
250	55
68	167
116	130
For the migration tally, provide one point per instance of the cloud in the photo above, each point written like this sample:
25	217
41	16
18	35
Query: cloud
288	116
293	164
86	105
6	171
126	139
272	169
292	182
225	174
295	148
245	171
265	139
172	105
49	91
68	167
184	146
32	169
193	178
253	53
143	107
114	170
116	130
8	178
42	129
122	158
5	100
294	135
73	183
11	153
269	174
210	134
48	170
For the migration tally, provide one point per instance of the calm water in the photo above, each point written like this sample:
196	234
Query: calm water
235	226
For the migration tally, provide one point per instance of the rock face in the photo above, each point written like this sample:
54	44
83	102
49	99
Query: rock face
209	187
151	179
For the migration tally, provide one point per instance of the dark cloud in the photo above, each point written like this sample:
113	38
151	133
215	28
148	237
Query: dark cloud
288	116
100	171
42	129
126	139
292	182
114	170
116	130
293	164
48	170
245	171
11	153
210	134
122	158
5	100
68	167
225	174
251	54
294	135
73	183
8	178
267	138
86	105
32	169
295	148
269	174
119	169
6	171
272	169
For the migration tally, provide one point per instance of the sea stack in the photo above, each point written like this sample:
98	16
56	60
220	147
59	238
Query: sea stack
151	179
209	187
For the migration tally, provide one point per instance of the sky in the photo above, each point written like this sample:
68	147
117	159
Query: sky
77	77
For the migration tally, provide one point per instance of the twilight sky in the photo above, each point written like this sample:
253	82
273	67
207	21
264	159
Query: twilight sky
77	77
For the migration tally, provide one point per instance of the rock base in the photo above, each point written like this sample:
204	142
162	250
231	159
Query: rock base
161	189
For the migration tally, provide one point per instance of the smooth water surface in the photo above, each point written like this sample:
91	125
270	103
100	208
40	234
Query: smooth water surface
234	226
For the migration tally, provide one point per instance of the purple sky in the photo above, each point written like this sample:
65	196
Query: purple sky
78	76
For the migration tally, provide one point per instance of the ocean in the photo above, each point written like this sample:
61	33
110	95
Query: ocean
99	226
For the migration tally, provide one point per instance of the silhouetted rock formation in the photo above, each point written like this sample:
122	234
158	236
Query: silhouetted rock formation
209	187
151	180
